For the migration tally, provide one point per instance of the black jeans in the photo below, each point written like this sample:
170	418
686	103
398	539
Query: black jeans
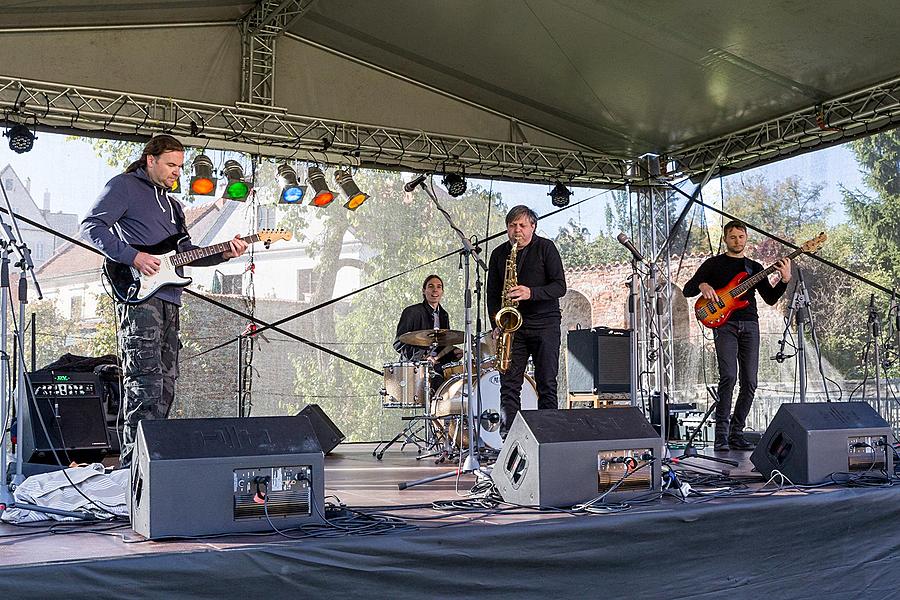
542	344
737	354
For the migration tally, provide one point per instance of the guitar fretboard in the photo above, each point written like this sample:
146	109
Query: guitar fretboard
183	258
747	284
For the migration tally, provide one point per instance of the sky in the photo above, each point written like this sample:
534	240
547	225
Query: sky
74	176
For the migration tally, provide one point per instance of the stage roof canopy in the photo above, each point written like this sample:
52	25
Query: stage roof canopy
529	89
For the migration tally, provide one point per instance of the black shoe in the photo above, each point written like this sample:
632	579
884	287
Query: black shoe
741	443
721	446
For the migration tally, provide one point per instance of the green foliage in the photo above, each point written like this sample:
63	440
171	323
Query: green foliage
400	232
578	249
879	215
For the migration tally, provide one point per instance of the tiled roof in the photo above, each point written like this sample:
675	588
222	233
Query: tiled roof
71	259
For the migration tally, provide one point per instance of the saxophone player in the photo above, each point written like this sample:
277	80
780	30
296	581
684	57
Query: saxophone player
540	283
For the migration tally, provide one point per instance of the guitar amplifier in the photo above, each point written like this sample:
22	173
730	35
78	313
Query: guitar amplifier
65	420
599	361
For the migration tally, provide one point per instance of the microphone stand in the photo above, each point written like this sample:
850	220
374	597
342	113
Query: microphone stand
25	264
468	392
874	330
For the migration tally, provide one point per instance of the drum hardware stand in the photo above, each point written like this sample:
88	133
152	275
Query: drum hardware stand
799	312
409	432
469	394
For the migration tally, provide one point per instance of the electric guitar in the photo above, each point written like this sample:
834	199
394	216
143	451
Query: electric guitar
130	286
715	314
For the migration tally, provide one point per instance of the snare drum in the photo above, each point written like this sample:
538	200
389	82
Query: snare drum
405	384
448	402
459	367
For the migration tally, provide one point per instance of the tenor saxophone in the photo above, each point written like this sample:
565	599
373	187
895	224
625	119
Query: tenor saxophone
508	318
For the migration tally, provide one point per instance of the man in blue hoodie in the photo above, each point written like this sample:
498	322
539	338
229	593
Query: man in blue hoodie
135	209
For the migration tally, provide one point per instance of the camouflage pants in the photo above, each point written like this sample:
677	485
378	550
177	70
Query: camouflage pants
148	337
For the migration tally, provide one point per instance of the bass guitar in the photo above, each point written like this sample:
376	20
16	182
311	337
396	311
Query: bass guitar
714	314
130	286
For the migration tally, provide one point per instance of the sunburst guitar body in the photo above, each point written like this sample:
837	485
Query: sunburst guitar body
715	313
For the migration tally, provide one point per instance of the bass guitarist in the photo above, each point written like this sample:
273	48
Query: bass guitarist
135	209
737	340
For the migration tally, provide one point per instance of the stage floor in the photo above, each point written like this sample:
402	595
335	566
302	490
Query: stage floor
654	531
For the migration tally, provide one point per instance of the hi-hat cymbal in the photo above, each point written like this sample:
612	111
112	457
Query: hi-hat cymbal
425	337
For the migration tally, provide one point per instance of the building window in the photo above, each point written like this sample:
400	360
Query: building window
307	282
8	184
39	250
76	305
266	217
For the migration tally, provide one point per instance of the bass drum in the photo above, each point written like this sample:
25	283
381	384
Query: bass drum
448	402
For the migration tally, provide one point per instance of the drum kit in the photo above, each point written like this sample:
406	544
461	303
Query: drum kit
407	385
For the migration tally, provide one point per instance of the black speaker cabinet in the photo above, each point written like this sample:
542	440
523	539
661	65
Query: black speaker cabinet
326	431
195	477
599	360
65	420
808	442
564	457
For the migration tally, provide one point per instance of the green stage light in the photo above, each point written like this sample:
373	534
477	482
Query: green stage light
237	188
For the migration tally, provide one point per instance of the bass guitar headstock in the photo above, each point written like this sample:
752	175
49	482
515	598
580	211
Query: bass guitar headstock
814	244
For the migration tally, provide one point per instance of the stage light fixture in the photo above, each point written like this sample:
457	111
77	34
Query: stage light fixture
355	197
455	184
238	188
291	192
203	183
21	140
322	196
560	195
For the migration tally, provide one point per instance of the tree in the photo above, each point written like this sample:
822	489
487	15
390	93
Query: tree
401	232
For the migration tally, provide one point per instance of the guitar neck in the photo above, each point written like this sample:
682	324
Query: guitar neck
183	258
747	284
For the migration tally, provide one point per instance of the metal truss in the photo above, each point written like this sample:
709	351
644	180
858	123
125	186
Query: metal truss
259	30
273	132
834	121
655	330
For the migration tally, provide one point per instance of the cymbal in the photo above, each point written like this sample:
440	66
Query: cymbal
425	337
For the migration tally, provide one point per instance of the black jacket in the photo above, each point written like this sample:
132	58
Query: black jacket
414	318
540	268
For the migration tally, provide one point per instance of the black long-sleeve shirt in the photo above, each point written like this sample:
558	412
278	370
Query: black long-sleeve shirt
414	318
540	268
719	270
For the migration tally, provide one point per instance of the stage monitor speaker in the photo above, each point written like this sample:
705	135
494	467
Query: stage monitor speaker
66	419
194	477
327	432
565	457
808	442
598	360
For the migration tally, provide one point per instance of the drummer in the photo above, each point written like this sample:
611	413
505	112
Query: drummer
428	314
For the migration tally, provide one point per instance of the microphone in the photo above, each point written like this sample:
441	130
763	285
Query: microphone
623	239
413	184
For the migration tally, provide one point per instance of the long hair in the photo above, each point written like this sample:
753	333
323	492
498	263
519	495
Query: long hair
158	144
427	279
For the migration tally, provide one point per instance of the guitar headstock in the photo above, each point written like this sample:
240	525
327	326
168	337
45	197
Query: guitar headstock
268	236
814	244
